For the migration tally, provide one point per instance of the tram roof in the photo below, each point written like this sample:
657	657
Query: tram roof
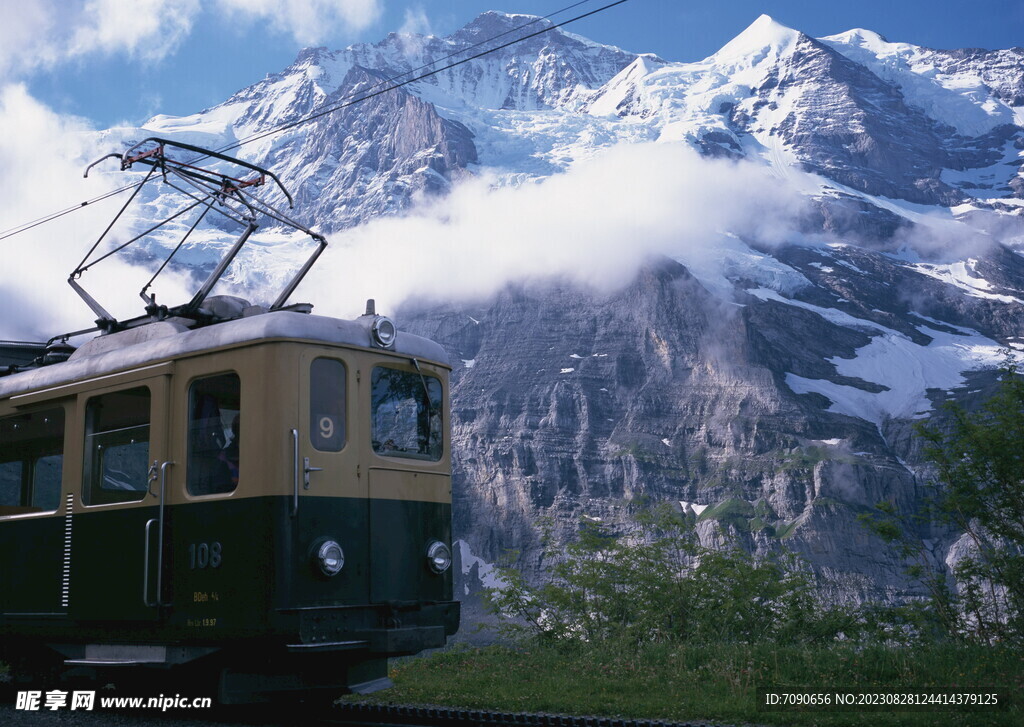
165	340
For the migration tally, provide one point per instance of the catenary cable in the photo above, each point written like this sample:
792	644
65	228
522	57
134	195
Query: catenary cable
337	107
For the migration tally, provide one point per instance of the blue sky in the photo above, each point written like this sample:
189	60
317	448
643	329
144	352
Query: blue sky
99	60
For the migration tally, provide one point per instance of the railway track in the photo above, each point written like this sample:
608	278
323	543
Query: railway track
373	715
302	714
345	715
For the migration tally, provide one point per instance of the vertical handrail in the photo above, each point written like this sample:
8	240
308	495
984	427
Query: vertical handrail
145	568
295	471
160	536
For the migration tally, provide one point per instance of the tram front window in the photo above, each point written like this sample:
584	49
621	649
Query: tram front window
117	447
327	404
405	422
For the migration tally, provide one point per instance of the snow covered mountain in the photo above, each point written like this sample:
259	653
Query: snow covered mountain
764	370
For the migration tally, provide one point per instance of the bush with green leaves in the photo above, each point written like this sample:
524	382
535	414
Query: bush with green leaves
660	584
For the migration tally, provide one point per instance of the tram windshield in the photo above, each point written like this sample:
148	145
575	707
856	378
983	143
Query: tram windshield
406	414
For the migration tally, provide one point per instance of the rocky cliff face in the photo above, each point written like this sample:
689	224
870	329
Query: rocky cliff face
414	151
776	401
570	405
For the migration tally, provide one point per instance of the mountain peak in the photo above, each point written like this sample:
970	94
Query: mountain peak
858	36
870	41
764	34
310	56
495	22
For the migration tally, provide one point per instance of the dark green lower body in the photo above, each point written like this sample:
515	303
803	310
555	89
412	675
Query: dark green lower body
230	586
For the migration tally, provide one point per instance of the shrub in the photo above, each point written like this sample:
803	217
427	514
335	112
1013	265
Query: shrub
661	585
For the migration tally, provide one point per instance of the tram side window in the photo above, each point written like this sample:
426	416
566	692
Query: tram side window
117	447
31	461
405	422
327	404
214	434
10	483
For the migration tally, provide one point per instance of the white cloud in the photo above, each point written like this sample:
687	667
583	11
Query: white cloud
25	34
144	29
309	22
416	21
43	155
43	33
595	224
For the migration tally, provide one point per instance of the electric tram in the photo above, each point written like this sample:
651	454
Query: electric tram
250	494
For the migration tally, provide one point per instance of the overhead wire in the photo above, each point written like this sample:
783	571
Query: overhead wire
26	226
55	215
337	107
367	96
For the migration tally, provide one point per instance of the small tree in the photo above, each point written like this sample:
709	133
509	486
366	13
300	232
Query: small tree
979	458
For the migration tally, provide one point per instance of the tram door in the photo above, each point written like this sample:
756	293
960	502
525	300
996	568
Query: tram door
410	484
114	540
332	501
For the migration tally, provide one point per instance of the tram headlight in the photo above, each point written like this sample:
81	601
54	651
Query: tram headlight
330	558
384	331
439	556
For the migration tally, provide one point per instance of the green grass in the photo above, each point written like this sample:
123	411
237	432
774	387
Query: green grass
785	530
733	510
804	458
713	682
747	517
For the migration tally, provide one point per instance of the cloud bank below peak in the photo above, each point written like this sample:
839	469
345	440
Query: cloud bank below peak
595	225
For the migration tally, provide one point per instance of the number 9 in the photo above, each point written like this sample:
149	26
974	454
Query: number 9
326	427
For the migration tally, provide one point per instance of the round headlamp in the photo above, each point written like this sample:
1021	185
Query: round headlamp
330	558
383	331
439	556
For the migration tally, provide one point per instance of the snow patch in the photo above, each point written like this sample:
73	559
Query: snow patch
487	573
840	318
963	275
907	369
692	507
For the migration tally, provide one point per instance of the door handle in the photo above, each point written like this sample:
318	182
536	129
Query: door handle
306	470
